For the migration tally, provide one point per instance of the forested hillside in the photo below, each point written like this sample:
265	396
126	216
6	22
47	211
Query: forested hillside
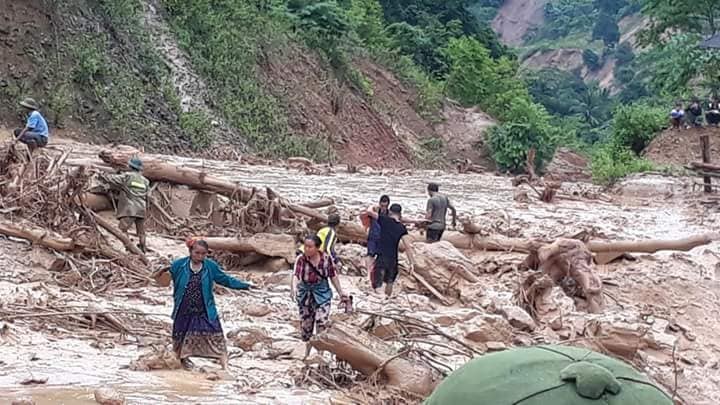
362	81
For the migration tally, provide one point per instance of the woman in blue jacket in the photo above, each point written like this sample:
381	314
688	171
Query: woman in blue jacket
196	326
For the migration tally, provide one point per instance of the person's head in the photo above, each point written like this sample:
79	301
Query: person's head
678	105
198	249
433	188
312	245
333	220
135	164
29	104
396	211
384	202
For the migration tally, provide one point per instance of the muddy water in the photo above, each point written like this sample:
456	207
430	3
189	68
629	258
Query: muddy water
75	367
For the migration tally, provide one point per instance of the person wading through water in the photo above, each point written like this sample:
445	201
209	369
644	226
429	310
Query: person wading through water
392	232
373	240
437	206
310	289
197	331
132	188
36	133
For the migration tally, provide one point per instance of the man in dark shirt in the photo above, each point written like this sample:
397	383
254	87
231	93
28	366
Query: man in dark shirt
437	207
392	232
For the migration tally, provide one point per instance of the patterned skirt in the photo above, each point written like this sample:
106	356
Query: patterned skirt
194	335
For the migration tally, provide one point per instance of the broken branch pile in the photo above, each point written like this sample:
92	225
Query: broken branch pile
41	199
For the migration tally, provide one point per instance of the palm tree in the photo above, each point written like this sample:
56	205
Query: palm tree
592	106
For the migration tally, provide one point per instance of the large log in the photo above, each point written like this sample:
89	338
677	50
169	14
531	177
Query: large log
40	236
490	243
444	268
266	244
122	237
156	169
652	246
367	353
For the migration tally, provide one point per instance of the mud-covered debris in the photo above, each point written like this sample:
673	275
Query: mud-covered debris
158	359
495	346
520	195
517	317
257	310
461	315
621	339
33	380
108	396
22	401
488	328
248	338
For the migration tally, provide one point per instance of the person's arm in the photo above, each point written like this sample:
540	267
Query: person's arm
295	280
407	246
453	211
370	211
222	278
335	279
429	210
115	181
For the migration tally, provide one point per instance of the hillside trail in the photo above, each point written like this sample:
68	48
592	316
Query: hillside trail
680	287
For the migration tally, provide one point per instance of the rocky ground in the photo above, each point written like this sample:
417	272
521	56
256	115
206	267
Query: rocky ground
661	310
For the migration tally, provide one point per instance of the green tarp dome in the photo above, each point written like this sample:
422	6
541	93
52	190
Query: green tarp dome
547	375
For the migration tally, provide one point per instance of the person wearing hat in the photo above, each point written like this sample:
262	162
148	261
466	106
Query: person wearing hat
392	233
132	189
36	132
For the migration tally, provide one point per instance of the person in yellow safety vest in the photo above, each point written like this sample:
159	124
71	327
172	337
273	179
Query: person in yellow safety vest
328	237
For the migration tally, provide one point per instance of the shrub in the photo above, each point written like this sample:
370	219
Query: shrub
591	59
634	126
610	163
529	127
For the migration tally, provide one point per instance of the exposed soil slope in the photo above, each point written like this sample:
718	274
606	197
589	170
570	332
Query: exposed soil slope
516	17
680	147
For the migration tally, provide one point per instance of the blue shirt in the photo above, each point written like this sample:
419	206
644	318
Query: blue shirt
37	123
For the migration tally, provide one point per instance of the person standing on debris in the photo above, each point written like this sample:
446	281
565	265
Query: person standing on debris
392	233
36	133
133	189
436	212
197	331
373	240
310	288
712	116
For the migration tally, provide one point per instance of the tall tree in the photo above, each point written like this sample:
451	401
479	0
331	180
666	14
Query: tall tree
690	16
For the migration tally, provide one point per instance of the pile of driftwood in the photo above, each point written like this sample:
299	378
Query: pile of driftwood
41	200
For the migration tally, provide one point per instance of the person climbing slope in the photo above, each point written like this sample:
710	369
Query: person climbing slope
197	331
392	233
310	288
132	188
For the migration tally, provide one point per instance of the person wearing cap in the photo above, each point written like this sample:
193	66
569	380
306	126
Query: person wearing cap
36	132
436	212
392	233
132	188
197	331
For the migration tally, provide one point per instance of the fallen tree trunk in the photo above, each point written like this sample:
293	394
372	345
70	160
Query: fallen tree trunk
120	235
157	170
490	243
266	244
705	166
443	270
40	236
652	246
97	202
368	354
347	232
321	203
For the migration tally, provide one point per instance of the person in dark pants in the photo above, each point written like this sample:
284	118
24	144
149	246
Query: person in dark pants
712	116
694	114
373	240
35	134
436	211
392	233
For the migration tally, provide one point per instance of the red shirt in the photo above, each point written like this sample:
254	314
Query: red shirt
308	273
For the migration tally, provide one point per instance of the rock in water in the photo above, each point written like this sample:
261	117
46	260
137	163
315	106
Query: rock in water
518	318
108	396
